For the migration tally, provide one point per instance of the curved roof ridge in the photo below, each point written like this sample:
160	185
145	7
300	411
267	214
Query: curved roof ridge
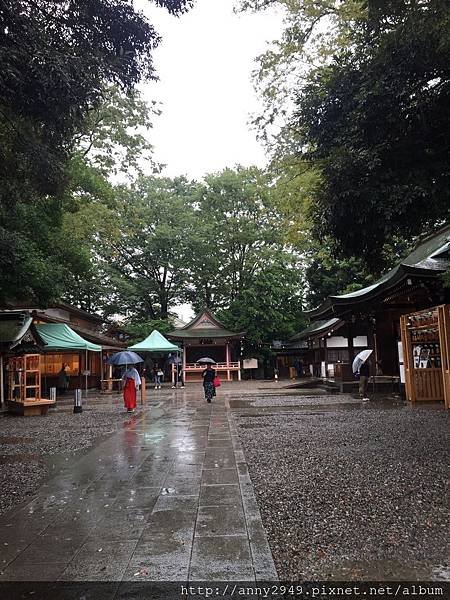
197	317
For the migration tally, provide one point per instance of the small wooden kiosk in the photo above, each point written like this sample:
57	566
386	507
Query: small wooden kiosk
20	364
426	350
24	386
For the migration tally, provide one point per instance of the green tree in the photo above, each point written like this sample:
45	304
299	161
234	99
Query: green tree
139	330
111	138
57	60
313	31
145	247
270	307
376	122
237	228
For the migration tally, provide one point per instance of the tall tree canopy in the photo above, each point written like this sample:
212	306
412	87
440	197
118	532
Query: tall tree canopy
377	123
359	90
56	58
68	73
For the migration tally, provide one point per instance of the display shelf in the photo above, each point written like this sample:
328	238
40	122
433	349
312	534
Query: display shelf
425	340
24	386
432	327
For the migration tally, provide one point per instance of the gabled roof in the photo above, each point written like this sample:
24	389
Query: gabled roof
317	328
15	327
430	258
203	325
155	342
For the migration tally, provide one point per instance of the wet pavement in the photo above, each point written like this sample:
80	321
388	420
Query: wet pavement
165	498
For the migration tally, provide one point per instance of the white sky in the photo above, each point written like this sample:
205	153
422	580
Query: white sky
204	64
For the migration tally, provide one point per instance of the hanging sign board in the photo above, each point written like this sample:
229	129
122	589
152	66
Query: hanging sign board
250	363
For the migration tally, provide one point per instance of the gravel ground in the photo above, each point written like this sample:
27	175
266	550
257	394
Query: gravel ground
355	493
299	400
26	444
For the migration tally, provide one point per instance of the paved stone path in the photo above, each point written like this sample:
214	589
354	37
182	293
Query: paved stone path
166	498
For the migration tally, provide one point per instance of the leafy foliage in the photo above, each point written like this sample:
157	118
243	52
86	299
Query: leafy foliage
376	121
111	138
139	330
57	61
237	231
313	31
270	307
143	246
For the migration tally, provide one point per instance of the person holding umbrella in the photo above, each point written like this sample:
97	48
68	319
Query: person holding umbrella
209	375
361	365
131	379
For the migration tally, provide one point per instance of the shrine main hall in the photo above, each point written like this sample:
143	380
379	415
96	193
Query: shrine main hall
206	336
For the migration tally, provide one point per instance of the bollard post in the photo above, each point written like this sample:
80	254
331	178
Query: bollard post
143	390
77	405
53	394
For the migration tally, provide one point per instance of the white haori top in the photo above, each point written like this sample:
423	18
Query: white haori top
132	373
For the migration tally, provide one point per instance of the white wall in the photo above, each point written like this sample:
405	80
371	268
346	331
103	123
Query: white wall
337	341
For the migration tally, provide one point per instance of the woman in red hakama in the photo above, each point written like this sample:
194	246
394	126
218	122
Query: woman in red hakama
131	382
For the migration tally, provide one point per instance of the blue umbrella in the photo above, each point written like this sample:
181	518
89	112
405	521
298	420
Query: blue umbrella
126	357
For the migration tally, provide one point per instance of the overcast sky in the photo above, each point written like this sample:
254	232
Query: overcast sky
204	64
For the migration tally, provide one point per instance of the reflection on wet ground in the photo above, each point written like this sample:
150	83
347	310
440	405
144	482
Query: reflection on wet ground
167	497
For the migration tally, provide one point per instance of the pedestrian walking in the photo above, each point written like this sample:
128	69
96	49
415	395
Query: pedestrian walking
364	374
178	377
63	379
209	388
131	381
157	375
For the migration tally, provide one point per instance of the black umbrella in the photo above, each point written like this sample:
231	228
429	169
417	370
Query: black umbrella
206	360
174	360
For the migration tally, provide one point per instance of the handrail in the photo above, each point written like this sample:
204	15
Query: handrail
217	366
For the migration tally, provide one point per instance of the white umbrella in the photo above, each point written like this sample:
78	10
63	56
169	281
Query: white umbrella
360	359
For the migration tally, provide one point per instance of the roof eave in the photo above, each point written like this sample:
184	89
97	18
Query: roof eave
337	305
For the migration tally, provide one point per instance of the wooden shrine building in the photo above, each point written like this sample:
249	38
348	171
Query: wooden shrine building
329	343
373	313
206	336
21	347
79	344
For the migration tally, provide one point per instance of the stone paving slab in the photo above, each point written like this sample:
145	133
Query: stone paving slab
167	498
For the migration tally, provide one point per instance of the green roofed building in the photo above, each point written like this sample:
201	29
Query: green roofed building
341	324
206	336
65	336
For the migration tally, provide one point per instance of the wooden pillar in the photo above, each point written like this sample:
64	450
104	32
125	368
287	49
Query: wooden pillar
227	348
2	390
351	348
239	370
143	391
184	363
110	376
